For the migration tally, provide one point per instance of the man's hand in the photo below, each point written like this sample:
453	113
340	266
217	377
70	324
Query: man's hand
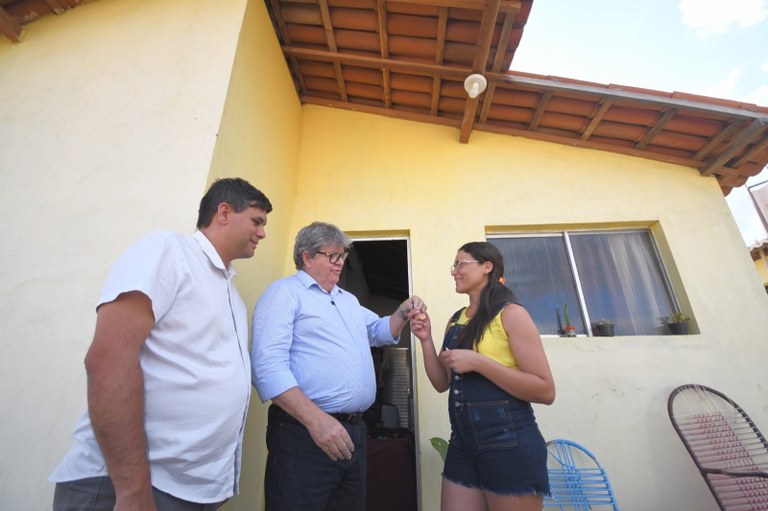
327	432
331	436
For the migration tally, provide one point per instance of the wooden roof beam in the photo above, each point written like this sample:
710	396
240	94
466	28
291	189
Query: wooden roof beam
381	11
622	95
756	149
442	28
57	7
539	113
657	127
331	40
498	61
745	137
282	32
479	65
459	73
718	139
504	5
605	105
9	27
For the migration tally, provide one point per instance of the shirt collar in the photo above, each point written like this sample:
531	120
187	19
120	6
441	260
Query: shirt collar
307	281
210	251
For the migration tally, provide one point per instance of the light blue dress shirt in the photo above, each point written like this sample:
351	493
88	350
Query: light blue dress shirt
321	342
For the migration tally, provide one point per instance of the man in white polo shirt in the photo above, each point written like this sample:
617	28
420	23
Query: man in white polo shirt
169	369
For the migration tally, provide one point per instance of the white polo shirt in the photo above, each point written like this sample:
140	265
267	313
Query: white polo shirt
196	369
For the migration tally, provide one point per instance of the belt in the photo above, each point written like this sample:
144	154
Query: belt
351	418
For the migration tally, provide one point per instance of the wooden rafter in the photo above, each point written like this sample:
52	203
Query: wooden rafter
656	128
331	41
605	105
758	147
345	53
504	5
498	61
9	27
442	26
540	109
479	65
381	10
282	33
746	137
718	139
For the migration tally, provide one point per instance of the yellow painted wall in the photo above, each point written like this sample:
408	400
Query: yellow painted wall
258	140
761	265
366	174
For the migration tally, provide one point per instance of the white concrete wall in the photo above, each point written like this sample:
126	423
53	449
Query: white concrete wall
108	121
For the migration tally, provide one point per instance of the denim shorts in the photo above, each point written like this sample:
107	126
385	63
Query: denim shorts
496	444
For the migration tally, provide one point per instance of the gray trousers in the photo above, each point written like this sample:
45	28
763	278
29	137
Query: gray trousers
98	494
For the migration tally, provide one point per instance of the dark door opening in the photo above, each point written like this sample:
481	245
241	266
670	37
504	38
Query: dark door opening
377	273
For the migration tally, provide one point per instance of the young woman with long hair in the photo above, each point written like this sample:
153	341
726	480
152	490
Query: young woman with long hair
493	362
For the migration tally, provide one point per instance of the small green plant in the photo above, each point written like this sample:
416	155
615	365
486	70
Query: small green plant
678	317
570	329
440	445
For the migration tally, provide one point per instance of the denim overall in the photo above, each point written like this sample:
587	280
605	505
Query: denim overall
495	441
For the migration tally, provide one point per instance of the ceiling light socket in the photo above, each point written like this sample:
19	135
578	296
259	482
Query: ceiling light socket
475	84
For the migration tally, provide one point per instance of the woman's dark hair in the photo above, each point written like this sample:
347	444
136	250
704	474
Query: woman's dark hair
493	296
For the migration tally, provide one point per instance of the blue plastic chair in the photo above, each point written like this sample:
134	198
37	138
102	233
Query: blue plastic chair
576	479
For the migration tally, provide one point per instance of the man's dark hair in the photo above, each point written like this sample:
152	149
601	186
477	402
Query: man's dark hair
238	193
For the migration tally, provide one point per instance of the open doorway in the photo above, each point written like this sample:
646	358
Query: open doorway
377	273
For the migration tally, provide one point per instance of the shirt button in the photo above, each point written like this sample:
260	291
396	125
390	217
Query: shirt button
457	377
455	391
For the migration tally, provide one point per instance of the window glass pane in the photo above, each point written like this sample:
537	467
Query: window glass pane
622	280
538	271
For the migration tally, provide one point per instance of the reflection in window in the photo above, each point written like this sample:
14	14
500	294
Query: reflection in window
612	274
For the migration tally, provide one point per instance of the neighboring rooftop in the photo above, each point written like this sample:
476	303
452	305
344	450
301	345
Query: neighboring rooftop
408	59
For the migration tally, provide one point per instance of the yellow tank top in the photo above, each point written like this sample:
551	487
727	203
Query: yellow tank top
494	343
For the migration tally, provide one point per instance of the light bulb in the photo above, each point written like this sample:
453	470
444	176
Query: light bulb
475	84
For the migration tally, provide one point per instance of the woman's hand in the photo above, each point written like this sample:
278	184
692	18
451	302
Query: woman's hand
459	361
421	326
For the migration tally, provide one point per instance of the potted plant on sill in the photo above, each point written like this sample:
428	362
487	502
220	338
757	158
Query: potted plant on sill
560	329
603	328
570	330
678	323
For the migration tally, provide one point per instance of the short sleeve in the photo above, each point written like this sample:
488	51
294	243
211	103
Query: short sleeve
151	266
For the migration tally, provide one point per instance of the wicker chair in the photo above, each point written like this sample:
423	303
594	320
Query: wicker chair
726	446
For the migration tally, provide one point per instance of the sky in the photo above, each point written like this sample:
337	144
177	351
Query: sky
707	47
